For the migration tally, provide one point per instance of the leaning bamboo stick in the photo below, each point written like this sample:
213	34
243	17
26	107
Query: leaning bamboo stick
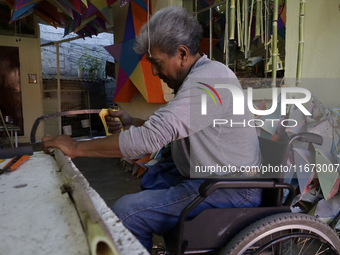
261	24
232	20
251	19
226	39
274	43
301	43
246	45
239	27
242	26
258	18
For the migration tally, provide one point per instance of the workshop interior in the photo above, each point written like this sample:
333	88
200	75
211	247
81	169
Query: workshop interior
64	65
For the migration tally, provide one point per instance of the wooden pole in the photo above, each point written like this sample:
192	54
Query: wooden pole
301	43
274	43
232	20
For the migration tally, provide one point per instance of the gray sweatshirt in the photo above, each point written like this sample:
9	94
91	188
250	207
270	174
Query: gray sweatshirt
197	144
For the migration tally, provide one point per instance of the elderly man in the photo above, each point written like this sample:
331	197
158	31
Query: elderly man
172	46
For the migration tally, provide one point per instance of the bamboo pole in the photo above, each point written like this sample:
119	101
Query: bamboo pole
210	33
226	39
301	43
232	20
246	45
267	36
258	18
274	43
99	238
261	23
251	20
242	25
239	28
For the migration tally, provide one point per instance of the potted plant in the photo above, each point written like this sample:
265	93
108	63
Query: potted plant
81	62
92	67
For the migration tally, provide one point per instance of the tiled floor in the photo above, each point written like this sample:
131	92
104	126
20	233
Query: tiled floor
107	177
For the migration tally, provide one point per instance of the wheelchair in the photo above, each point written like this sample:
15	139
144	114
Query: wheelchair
269	229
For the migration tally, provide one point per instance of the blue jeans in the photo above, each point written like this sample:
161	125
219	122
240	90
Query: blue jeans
165	194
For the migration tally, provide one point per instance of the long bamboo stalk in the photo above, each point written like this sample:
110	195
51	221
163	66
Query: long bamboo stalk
246	45
239	28
232	20
274	43
258	18
251	20
265	25
242	26
261	24
301	43
226	39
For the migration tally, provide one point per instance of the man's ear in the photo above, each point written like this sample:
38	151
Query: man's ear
183	54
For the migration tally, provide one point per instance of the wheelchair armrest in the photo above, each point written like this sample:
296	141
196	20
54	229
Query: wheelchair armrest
209	186
307	137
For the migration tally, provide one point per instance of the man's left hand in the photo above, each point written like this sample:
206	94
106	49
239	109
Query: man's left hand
63	142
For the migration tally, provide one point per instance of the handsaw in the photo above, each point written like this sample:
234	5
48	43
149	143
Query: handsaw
102	113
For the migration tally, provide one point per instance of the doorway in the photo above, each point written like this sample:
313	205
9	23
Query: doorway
10	89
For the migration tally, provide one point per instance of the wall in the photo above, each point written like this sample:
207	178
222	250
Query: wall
70	51
29	57
138	107
321	53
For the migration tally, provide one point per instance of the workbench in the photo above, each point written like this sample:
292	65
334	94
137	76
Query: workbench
36	218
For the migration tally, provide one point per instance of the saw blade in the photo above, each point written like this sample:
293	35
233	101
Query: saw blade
58	114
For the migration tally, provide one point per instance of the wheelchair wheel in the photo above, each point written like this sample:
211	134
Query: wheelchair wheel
286	234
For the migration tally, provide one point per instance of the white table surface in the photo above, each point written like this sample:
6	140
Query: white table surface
35	218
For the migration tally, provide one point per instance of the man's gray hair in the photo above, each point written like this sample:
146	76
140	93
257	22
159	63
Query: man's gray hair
169	28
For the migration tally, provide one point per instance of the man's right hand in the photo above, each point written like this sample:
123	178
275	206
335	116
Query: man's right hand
115	126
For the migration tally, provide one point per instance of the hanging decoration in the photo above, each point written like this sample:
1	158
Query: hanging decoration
134	72
83	17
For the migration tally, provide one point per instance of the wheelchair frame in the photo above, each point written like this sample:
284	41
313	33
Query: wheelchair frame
188	236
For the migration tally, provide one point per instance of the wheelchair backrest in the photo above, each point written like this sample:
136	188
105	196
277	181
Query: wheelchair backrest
274	154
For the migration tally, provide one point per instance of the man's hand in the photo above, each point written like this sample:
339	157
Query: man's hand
63	142
115	126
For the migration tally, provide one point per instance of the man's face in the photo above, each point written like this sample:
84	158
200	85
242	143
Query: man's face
166	68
